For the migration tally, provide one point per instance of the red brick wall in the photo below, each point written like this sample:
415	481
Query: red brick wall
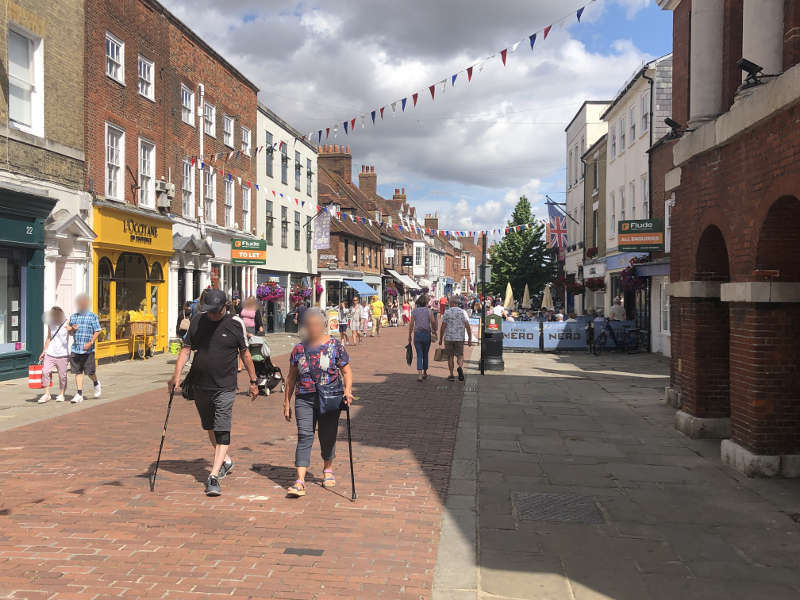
660	164
337	248
178	59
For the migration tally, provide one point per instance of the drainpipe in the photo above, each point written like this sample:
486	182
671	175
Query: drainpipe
201	92
650	203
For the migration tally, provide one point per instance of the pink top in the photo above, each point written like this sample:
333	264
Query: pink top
249	317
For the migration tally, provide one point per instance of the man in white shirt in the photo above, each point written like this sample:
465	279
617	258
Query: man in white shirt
451	336
617	312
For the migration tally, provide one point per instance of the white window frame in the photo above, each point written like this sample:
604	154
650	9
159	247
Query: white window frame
117	192
633	201
669	204
187	110
569	170
209	119
149	66
613	141
613	205
622	203
35	84
622	134
227	130
645	196
645	106
246	140
663	317
245	208
579	162
230	198
632	117
147	180
187	190
210	195
118	61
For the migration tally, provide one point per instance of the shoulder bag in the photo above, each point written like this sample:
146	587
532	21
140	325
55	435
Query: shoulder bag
330	396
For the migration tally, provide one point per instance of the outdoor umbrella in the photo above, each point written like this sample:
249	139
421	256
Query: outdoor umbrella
509	301
547	299
526	297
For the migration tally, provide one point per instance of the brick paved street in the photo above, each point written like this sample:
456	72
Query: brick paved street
78	519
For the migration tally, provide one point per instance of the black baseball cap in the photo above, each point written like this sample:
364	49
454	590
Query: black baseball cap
213	301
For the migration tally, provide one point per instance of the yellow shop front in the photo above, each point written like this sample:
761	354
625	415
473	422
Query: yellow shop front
130	257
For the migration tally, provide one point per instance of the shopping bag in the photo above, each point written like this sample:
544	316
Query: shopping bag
35	377
409	354
440	355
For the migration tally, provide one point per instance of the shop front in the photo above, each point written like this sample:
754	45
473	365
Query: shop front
131	257
21	279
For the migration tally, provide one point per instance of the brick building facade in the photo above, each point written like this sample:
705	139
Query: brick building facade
735	279
44	224
160	105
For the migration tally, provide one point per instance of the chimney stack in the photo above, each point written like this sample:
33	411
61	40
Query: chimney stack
337	159
367	180
399	195
431	222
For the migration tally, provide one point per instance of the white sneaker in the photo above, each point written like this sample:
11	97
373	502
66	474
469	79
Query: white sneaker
98	389
60	398
77	399
43	398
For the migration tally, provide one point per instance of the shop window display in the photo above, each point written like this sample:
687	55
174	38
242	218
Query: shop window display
12	330
105	273
131	277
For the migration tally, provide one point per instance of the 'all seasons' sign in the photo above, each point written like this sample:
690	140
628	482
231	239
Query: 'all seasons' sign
644	235
140	233
248	252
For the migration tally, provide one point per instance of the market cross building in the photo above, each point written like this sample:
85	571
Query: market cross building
735	277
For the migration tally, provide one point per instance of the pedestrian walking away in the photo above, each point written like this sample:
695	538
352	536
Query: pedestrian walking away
422	326
344	317
184	318
55	354
218	341
320	371
355	321
85	329
454	322
377	314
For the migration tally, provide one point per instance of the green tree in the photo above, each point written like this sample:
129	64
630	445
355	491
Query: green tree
521	256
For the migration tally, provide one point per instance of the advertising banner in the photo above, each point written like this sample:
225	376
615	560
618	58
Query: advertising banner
644	235
522	335
564	336
333	321
248	252
322	231
475	326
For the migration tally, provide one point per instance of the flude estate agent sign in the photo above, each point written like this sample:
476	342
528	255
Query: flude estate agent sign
643	235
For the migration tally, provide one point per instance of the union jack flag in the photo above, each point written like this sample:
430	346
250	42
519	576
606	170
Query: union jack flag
556	227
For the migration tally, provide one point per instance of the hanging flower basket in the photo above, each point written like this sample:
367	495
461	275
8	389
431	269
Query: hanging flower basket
269	291
391	292
299	293
318	289
591	252
631	282
595	284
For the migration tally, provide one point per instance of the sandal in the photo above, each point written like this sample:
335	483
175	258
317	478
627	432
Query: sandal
297	490
328	480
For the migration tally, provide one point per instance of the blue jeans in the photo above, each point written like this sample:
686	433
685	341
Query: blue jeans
308	419
422	344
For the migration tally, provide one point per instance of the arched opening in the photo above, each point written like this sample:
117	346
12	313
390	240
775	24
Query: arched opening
779	241
711	263
105	273
131	276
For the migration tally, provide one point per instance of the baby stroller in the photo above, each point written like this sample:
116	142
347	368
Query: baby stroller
268	375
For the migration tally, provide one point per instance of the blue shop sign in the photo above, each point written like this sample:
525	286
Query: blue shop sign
620	261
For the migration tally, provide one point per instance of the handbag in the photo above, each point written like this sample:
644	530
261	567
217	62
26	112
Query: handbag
409	354
330	396
439	355
184	324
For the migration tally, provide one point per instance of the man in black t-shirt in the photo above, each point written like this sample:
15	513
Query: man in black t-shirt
218	341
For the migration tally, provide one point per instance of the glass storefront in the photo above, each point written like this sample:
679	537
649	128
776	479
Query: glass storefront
12	301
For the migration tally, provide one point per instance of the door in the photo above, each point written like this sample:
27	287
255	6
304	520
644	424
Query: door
65	286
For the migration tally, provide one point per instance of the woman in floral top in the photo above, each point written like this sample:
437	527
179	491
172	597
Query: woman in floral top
328	361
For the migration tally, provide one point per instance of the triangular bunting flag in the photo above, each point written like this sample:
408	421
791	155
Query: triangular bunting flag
415	97
373	117
469	73
327	132
453	79
580	12
352	124
382	107
394	107
547	30
403	103
345	126
503	54
432	89
533	40
319	136
514	47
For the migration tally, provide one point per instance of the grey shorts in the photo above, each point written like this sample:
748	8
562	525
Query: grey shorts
454	348
82	363
215	408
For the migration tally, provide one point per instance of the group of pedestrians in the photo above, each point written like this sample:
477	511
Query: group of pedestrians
422	333
58	353
360	320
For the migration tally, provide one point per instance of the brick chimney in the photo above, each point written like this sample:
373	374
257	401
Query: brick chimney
399	194
431	221
336	159
367	180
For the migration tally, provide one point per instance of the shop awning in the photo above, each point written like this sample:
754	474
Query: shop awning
361	288
406	281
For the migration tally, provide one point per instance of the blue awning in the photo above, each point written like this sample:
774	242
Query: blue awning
361	288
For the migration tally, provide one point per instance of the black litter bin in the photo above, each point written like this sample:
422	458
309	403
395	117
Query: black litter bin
493	344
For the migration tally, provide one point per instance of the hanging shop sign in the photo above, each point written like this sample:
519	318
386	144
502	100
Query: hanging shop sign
644	235
248	252
408	261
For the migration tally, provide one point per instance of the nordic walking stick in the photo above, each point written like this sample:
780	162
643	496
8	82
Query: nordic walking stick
350	448
161	446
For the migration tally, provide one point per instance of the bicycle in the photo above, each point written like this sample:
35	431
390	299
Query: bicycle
633	340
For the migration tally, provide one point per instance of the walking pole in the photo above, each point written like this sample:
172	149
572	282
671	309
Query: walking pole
350	448
161	446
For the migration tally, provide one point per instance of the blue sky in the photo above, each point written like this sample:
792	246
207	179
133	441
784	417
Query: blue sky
469	154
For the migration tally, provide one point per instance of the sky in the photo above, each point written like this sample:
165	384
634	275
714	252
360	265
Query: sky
469	153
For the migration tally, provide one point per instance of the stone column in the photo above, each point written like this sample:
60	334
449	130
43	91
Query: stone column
762	35
705	72
189	276
172	295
